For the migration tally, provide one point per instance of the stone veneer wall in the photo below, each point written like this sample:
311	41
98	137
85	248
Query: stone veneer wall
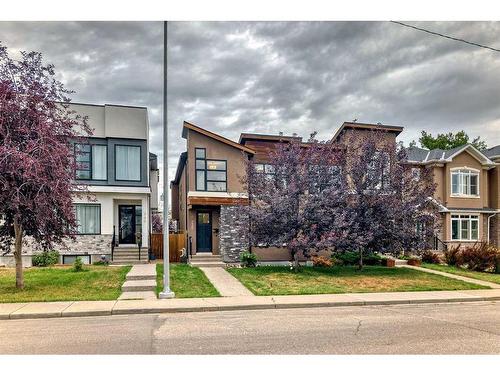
233	233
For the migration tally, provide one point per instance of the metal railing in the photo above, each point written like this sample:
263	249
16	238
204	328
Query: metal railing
113	244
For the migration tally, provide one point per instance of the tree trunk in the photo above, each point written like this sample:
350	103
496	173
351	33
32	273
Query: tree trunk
296	261
360	264
18	230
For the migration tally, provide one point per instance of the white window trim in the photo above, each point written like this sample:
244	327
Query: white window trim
460	195
460	226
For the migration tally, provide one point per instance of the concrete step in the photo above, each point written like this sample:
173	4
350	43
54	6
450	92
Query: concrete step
139	286
137	295
205	256
130	257
208	264
400	262
128	262
142	272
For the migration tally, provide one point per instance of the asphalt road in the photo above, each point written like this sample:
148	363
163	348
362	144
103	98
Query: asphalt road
465	328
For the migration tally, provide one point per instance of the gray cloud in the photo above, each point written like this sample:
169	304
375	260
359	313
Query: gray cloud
297	77
294	77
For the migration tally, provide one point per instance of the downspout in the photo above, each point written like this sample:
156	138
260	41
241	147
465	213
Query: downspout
489	218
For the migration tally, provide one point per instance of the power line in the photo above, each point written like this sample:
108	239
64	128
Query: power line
446	36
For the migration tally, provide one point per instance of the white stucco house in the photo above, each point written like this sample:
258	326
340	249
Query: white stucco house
122	177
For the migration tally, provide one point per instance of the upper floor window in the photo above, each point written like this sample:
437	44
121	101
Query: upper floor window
465	182
211	174
379	171
88	217
465	227
91	162
127	163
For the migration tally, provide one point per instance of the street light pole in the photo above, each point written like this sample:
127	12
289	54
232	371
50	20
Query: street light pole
166	293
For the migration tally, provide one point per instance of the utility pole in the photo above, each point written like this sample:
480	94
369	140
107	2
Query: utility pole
166	293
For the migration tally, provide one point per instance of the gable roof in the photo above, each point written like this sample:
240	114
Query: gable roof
493	152
424	156
188	126
367	126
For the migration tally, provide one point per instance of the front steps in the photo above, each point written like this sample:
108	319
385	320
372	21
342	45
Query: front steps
206	260
140	282
129	255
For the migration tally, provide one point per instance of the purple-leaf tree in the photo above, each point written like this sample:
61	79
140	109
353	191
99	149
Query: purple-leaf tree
36	158
156	223
295	200
388	205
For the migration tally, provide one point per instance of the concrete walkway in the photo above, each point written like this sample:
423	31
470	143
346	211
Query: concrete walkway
456	277
94	308
225	283
140	283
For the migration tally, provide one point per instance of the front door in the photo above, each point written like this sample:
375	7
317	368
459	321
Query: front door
127	224
203	231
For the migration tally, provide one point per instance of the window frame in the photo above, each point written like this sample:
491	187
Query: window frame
467	172
100	219
205	171
140	162
77	256
91	161
462	217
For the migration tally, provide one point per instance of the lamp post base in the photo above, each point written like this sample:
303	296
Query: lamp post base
166	294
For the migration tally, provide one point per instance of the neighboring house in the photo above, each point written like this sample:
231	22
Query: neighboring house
122	179
467	192
207	188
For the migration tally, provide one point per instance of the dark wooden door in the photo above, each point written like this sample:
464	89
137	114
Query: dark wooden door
127	224
203	231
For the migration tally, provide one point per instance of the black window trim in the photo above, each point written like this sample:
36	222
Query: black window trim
90	161
205	170
140	162
100	218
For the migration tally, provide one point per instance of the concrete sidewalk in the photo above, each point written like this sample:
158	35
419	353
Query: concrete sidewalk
95	308
456	277
225	283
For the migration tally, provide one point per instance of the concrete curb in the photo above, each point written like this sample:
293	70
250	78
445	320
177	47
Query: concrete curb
36	310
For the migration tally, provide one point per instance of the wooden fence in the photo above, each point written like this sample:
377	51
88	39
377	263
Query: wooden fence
177	241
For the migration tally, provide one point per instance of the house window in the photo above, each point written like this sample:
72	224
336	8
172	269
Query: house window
70	259
379	170
211	174
88	217
415	174
464	227
465	182
127	163
91	162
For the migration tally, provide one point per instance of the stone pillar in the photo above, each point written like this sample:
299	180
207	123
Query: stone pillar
233	233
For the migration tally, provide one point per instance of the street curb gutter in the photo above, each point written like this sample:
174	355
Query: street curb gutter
54	310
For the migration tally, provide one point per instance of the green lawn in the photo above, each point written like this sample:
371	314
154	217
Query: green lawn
264	281
186	281
61	283
485	276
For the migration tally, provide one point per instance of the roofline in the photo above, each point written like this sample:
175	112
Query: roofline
180	166
103	105
365	125
487	161
217	137
270	137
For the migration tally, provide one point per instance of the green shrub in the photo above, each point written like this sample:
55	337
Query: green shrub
321	261
248	259
45	258
78	265
351	258
429	256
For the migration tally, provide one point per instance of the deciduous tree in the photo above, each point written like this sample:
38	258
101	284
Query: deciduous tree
36	158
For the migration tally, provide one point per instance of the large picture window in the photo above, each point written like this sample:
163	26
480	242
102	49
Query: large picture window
88	218
127	163
211	175
465	182
464	227
91	162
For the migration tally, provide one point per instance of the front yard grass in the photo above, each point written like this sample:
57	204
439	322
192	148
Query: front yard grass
61	283
186	281
274	280
485	276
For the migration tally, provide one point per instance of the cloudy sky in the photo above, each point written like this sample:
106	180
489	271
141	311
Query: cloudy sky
271	77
